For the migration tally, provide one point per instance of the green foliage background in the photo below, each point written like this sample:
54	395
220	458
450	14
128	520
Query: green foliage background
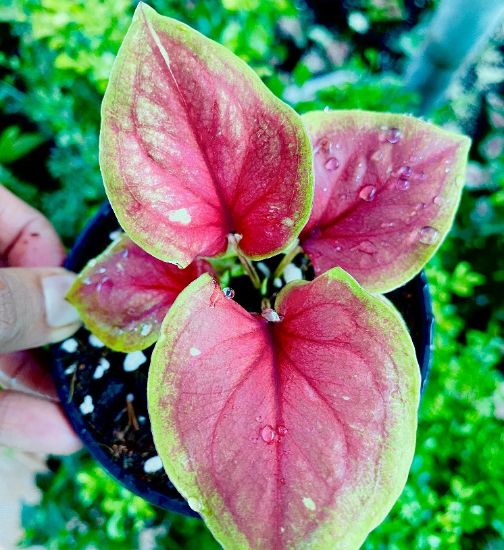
55	57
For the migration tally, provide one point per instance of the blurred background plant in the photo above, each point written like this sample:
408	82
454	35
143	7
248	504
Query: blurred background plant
55	57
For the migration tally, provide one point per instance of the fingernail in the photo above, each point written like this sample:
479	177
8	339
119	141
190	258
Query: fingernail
58	311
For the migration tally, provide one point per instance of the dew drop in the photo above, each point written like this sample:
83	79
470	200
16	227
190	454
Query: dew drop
402	184
70	345
103	365
331	163
113	235
271	315
338	248
87	406
95	341
105	284
145	329
194	504
405	172
386	225
428	235
438	201
195	352
292	273
367	193
393	135
360	170
153	464
268	434
102	270
308	502
258	418
229	293
367	247
282	430
133	360
71	369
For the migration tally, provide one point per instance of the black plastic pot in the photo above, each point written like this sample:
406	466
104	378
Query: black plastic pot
121	442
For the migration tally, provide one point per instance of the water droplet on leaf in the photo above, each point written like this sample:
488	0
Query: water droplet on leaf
229	293
405	172
402	184
268	434
282	430
271	315
428	235
393	135
145	329
367	193
331	164
308	502
194	504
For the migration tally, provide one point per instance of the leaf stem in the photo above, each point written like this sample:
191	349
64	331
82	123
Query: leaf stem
286	260
246	263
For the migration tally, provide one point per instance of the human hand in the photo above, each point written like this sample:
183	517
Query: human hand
33	312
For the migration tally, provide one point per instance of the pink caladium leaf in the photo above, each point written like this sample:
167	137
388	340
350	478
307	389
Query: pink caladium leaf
290	434
387	188
194	147
123	295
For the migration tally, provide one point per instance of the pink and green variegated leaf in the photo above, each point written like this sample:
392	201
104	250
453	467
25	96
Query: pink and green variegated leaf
193	147
295	434
387	188
123	294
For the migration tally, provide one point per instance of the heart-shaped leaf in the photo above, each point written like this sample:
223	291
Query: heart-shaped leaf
387	188
123	294
294	434
194	147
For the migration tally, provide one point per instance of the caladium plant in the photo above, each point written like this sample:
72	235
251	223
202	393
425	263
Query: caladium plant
292	426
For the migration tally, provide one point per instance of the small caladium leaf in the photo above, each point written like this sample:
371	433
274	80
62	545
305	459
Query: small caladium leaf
290	434
194	147
123	295
386	190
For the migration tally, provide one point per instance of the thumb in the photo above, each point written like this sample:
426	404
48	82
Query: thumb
33	309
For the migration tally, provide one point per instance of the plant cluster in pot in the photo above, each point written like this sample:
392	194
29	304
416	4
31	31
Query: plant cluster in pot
256	244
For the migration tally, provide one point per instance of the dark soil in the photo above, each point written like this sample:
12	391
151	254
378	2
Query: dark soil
115	425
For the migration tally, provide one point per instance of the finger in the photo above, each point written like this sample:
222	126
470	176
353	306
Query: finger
35	425
33	309
23	371
27	239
